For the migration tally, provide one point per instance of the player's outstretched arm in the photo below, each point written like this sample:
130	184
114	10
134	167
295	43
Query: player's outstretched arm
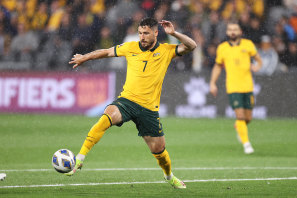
187	44
215	73
79	59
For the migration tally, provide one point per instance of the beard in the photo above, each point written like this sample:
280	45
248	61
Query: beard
147	45
233	37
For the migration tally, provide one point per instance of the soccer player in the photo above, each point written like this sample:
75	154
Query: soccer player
147	62
235	56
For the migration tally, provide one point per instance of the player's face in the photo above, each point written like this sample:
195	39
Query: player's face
233	31
147	36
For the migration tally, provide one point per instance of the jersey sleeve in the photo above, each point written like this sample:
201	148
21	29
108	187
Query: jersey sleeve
219	56
253	49
173	50
122	49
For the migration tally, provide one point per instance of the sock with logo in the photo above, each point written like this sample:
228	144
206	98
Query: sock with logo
164	162
95	134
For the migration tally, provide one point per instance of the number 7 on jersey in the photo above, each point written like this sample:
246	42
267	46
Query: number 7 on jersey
144	65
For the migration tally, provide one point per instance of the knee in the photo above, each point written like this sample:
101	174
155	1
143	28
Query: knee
157	149
114	114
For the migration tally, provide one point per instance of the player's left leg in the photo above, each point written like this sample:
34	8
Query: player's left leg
157	147
242	129
248	149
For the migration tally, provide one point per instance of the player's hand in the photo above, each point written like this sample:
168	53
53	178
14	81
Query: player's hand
213	89
168	27
77	60
255	68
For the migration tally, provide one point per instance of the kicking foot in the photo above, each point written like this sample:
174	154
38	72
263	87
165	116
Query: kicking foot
248	149
77	166
176	183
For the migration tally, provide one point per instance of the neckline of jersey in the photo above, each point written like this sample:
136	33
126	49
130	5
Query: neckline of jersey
153	49
237	44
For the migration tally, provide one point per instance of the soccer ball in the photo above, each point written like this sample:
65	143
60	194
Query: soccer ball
63	160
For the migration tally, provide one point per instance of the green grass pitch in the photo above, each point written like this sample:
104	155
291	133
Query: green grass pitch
204	152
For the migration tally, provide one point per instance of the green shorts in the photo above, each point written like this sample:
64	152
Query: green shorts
147	121
241	100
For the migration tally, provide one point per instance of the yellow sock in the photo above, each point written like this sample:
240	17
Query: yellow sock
164	162
242	130
95	134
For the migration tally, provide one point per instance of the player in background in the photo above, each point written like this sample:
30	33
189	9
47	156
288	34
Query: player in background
235	56
147	63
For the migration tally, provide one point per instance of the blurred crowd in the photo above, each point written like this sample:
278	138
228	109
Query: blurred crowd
44	34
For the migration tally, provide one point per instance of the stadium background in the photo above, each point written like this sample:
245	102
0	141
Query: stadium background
38	38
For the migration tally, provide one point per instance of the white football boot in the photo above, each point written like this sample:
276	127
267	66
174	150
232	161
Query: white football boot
248	149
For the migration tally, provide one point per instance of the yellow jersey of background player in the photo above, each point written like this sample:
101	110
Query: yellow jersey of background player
235	55
146	70
236	59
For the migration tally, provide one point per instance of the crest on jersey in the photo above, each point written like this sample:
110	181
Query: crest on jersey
156	54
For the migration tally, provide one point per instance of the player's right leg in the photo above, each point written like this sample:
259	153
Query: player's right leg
157	147
110	117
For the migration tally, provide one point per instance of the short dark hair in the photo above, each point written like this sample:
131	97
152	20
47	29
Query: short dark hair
234	21
150	22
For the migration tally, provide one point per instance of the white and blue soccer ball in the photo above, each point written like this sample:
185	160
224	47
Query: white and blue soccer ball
63	160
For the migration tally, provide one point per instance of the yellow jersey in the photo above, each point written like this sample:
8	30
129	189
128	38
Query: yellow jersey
146	70
237	62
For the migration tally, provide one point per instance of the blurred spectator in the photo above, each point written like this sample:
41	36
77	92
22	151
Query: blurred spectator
268	55
119	14
9	4
58	52
65	30
82	36
198	56
5	18
233	8
24	44
4	41
40	18
160	15
106	39
288	29
132	35
280	48
255	31
289	3
179	13
210	56
56	14
244	21
213	28
291	56
293	17
97	6
148	6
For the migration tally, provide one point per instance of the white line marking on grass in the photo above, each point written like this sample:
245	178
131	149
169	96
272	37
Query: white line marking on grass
155	169
152	182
